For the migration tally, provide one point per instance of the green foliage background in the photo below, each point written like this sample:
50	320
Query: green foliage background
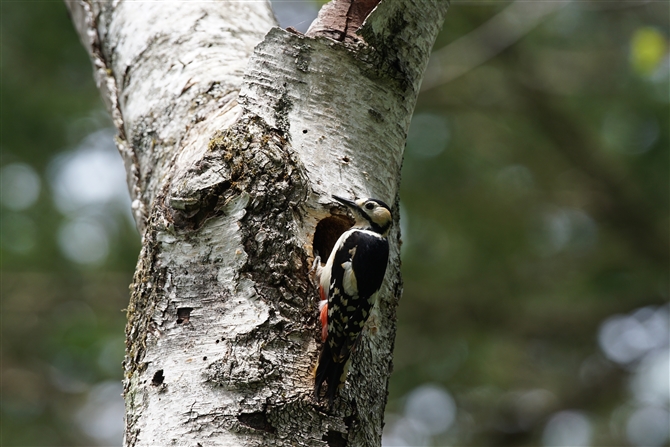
534	206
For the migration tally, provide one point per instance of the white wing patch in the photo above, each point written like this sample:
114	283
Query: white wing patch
349	280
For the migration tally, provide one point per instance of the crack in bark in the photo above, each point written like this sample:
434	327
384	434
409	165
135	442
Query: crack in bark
257	421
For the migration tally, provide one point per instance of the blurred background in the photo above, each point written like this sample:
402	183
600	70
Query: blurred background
535	200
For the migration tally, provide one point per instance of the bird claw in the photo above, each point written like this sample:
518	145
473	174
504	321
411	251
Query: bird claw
316	264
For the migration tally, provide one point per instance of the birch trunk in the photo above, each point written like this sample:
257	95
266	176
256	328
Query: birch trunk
235	134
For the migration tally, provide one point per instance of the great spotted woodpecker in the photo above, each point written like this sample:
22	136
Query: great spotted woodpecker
348	285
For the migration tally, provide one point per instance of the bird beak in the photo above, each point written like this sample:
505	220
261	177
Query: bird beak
347	202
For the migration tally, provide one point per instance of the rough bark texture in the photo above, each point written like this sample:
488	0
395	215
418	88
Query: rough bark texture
232	155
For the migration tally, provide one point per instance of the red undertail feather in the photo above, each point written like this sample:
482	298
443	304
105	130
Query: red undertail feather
324	320
323	316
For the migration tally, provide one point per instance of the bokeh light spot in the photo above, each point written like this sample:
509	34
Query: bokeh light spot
515	178
565	229
626	338
432	407
428	135
93	174
651	382
648	46
567	429
101	417
84	241
19	186
648	427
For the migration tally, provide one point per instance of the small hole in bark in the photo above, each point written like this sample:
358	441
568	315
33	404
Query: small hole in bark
304	131
184	314
204	358
326	234
257	421
158	378
349	421
216	341
346	159
334	439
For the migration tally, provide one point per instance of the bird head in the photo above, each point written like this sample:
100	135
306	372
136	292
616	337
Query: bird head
370	213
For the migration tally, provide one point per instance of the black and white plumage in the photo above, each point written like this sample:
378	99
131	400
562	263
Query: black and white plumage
349	284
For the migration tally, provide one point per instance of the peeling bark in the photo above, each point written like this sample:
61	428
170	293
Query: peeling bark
341	19
232	155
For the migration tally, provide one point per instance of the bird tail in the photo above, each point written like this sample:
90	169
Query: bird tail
329	371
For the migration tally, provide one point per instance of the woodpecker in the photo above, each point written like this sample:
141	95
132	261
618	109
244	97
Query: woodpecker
348	286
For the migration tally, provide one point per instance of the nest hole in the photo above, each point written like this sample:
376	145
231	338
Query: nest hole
327	232
184	315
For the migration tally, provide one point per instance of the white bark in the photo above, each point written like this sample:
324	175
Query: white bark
228	191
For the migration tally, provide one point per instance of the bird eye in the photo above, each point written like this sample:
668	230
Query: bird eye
369	205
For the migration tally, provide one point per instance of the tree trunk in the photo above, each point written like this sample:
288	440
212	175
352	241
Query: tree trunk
232	154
